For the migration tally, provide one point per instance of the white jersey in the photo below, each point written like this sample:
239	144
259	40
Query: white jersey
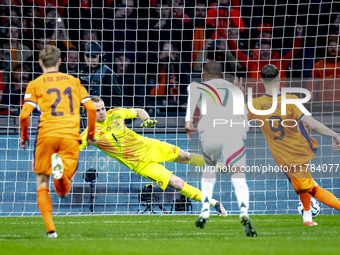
215	102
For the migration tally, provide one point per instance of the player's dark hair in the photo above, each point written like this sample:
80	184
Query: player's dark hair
269	73
213	68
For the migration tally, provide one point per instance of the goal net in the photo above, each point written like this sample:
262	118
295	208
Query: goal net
152	50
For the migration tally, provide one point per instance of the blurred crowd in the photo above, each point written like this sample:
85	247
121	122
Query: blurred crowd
144	53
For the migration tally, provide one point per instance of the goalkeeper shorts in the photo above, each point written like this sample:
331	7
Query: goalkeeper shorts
149	167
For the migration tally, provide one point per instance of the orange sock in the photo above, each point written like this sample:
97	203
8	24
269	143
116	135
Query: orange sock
325	197
63	185
306	200
45	207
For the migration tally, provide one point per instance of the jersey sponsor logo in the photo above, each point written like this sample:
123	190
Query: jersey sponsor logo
174	150
28	96
196	196
160	183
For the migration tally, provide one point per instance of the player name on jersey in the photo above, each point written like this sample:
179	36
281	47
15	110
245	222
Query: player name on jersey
55	79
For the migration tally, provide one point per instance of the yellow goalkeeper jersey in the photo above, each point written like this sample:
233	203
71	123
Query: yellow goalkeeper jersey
117	141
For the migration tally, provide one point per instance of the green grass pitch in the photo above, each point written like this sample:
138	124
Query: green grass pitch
277	234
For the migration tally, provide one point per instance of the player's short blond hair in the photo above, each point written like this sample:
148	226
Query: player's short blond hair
49	56
96	99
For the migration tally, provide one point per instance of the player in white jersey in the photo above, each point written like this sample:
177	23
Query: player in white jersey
221	133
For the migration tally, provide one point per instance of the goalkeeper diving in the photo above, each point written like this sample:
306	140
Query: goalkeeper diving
140	154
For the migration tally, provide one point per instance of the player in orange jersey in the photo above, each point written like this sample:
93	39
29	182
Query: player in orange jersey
292	146
57	96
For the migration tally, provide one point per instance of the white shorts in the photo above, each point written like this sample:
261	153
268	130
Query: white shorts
230	146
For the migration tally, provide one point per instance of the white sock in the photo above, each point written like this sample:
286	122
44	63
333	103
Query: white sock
207	188
307	215
241	191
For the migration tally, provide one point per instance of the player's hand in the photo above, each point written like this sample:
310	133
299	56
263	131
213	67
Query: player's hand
239	84
147	123
208	44
299	30
23	143
190	130
336	143
91	141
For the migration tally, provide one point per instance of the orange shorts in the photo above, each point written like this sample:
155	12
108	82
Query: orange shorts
301	179
45	147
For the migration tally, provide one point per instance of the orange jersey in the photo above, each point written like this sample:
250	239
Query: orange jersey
288	145
325	86
57	96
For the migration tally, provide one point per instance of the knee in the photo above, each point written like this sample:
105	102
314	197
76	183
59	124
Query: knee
176	183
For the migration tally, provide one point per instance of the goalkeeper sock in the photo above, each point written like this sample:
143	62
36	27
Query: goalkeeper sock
325	197
207	188
196	159
62	186
45	207
191	192
194	193
306	201
241	191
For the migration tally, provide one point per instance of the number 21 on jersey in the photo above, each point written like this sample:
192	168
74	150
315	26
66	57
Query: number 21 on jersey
67	91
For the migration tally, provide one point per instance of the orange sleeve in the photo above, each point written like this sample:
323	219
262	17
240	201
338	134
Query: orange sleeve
91	118
237	20
90	110
24	120
29	105
211	16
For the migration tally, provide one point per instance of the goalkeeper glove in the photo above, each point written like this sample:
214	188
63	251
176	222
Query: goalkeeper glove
148	123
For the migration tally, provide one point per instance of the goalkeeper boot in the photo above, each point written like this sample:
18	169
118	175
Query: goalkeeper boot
249	230
57	166
202	219
51	234
220	209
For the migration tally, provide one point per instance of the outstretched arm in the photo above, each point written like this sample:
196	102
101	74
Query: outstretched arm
295	49
91	119
24	120
239	55
321	129
144	116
